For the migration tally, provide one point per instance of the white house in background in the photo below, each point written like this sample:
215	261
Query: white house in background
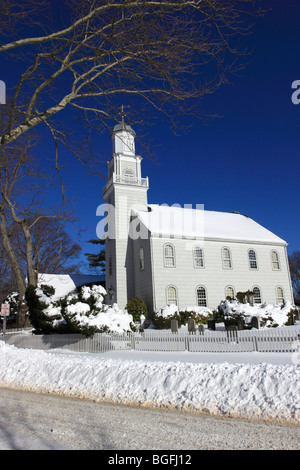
185	256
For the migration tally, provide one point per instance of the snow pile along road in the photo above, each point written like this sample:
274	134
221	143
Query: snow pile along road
268	391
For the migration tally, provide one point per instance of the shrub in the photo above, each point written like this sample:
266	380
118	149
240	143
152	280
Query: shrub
244	297
37	301
136	307
82	312
199	314
162	317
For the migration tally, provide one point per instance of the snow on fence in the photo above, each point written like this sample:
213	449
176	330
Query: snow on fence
268	340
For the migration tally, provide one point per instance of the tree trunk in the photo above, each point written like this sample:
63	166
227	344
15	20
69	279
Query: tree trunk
31	275
22	320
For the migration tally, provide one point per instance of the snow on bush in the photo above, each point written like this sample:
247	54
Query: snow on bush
162	316
167	312
199	314
84	312
269	315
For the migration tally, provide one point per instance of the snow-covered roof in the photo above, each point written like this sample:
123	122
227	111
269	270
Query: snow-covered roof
64	284
182	222
123	127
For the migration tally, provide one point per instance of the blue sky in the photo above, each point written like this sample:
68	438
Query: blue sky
247	160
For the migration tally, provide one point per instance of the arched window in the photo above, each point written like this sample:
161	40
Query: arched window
171	294
198	257
128	175
279	295
142	259
201	296
275	260
226	258
252	259
169	256
257	295
229	293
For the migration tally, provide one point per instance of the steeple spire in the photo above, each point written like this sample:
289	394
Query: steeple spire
122	115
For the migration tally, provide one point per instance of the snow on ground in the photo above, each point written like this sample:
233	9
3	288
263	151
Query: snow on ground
253	385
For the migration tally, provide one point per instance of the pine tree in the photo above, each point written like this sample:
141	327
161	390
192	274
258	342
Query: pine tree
96	260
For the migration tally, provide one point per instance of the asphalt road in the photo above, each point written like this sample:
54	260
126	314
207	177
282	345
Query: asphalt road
31	421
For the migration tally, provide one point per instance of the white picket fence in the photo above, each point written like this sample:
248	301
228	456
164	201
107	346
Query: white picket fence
285	339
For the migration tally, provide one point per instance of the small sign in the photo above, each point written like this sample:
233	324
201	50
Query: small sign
5	310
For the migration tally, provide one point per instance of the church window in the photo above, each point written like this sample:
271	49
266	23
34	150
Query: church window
172	295
275	260
252	259
169	256
226	258
198	257
128	176
257	295
201	296
142	259
279	295
229	293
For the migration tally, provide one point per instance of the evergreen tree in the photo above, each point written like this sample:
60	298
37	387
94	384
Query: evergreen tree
97	260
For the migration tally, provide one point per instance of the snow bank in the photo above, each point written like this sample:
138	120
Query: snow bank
264	390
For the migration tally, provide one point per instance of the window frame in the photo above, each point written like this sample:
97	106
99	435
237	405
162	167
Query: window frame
277	297
233	289
226	260
260	295
173	256
278	261
195	257
251	250
128	175
203	288
171	286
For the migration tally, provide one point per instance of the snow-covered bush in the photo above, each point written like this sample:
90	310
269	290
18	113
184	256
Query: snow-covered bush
83	312
162	316
268	315
199	314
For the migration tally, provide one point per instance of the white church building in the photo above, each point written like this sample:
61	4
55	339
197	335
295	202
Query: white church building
182	255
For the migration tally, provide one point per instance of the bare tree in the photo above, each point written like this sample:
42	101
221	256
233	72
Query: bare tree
166	53
54	252
21	217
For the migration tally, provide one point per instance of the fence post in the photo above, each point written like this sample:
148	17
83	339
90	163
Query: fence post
255	343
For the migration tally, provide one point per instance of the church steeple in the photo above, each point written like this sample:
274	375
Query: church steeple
125	166
124	191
